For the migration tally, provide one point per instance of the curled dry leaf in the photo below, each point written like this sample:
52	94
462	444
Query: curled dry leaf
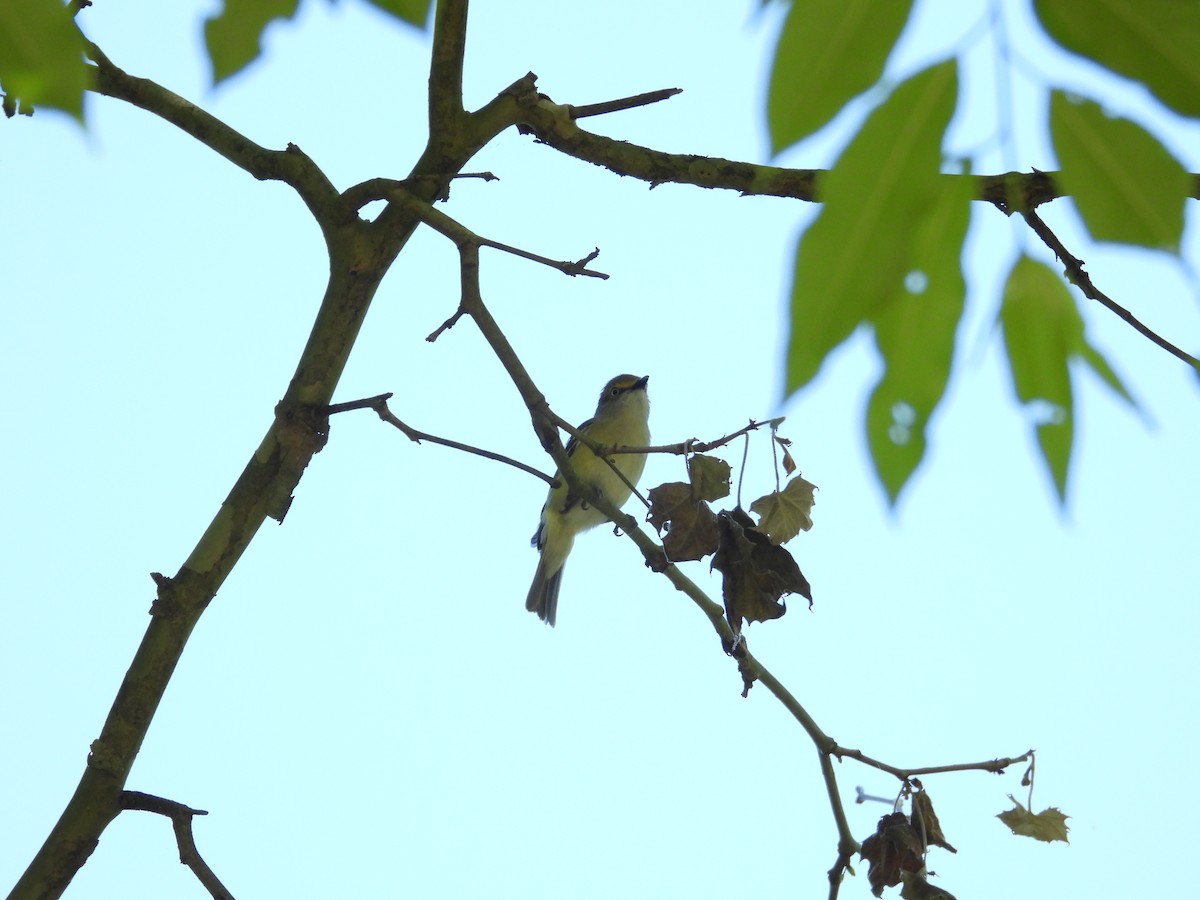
757	573
926	822
894	848
692	526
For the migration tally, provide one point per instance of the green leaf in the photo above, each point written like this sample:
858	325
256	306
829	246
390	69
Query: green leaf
1127	186
1100	366
857	252
41	56
1048	825
1041	328
414	12
1156	42
234	36
1043	332
829	51
914	332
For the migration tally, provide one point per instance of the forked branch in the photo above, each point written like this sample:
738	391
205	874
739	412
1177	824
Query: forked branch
181	821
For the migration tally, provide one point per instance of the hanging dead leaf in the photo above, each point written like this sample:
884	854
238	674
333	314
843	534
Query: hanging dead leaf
926	822
894	848
709	476
691	525
1048	825
789	464
757	574
916	887
784	514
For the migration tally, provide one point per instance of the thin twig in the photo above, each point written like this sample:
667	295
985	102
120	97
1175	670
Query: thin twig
290	165
567	267
1078	277
693	446
379	404
602	451
990	765
599	109
366	403
461	235
445	326
181	820
359	195
861	796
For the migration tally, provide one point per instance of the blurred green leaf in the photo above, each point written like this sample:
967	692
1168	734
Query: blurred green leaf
414	12
914	331
1043	332
829	51
857	252
1127	186
1041	327
234	36
1156	42
1100	366
41	56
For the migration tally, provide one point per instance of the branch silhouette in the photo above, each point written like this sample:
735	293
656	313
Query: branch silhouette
181	821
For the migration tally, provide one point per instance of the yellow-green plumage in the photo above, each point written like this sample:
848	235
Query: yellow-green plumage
622	417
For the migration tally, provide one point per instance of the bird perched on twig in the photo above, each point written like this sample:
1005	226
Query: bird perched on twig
622	419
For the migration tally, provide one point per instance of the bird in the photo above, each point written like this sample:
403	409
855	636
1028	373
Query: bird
621	419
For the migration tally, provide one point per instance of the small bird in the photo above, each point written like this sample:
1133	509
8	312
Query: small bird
622	419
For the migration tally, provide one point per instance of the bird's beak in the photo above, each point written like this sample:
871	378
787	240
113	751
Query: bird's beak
640	384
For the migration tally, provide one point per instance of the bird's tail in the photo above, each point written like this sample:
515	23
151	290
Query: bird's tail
543	594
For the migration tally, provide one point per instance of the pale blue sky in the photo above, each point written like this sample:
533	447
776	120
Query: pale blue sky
366	709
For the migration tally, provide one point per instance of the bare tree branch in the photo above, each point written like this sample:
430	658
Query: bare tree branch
1078	277
290	166
599	109
181	821
379	404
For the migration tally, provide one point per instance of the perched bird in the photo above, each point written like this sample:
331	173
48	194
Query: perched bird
621	419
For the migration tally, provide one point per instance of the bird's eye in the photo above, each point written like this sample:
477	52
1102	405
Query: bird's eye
614	391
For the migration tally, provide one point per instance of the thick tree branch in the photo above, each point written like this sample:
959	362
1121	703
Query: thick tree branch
360	254
555	125
446	64
290	166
